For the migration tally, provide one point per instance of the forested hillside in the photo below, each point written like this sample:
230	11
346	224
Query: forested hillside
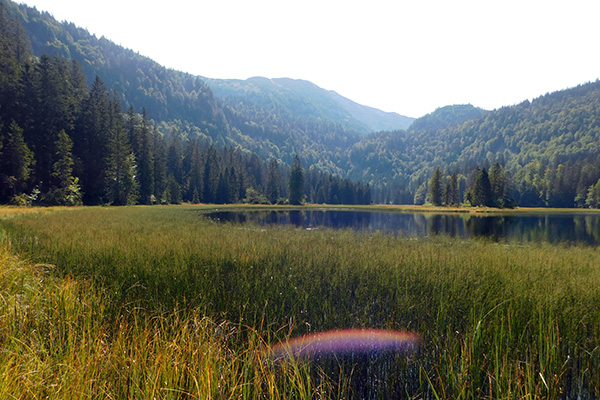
299	100
62	142
274	129
550	148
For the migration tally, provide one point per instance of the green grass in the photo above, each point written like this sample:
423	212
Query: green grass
143	302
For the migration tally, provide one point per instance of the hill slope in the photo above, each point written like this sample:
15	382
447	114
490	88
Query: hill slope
319	127
302	99
553	138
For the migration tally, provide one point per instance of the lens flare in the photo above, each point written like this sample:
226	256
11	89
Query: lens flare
346	341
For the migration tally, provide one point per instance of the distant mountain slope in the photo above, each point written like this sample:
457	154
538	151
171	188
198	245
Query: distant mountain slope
537	141
446	116
302	99
297	118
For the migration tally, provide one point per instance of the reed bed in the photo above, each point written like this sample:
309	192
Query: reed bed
145	302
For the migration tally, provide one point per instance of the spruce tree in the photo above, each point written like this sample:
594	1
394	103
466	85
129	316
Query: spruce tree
436	187
15	163
296	182
121	186
482	190
273	178
65	188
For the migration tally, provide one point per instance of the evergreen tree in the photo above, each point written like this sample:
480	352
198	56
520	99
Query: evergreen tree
273	178
454	191
145	159
296	182
160	165
15	163
172	194
91	142
195	174
436	187
482	190
65	188
121	186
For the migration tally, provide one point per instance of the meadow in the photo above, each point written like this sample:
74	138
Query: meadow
159	302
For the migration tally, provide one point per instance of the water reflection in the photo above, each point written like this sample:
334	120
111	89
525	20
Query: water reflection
554	228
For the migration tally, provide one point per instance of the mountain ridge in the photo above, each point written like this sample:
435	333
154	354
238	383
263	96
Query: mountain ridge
310	99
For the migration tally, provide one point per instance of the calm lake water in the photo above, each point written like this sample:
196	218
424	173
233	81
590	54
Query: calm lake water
554	228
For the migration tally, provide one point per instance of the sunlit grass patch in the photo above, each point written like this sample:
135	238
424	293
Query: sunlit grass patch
162	300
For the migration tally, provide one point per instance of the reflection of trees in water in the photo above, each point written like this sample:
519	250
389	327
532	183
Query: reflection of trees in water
592	227
445	224
296	218
549	228
494	227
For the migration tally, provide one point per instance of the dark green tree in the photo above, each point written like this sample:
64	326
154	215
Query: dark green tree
141	140
273	179
121	186
481	192
160	165
90	143
15	163
65	189
296	182
436	190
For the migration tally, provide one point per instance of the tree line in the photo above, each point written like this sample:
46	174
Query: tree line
565	185
64	143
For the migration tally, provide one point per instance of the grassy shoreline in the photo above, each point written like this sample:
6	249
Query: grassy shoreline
497	320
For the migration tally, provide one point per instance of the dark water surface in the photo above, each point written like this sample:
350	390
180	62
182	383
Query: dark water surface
551	227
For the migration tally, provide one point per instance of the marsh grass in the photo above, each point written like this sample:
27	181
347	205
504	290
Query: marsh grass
159	301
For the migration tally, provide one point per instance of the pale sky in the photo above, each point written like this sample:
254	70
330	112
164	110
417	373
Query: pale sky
410	57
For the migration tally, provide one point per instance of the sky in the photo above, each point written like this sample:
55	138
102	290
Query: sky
409	57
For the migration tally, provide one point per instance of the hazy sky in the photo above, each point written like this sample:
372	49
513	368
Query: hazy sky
410	57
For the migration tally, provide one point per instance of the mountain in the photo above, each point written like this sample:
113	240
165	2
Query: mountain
292	117
300	98
550	146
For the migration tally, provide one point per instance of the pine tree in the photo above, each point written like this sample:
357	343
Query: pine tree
195	173
454	191
65	188
273	178
90	144
436	187
15	163
144	158
482	190
160	165
296	182
121	186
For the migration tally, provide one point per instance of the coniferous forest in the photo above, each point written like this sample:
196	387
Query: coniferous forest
56	76
64	143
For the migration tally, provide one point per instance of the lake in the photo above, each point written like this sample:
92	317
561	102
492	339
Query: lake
552	227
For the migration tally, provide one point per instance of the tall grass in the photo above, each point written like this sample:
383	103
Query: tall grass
158	301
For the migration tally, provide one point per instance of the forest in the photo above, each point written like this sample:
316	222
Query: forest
548	148
64	143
